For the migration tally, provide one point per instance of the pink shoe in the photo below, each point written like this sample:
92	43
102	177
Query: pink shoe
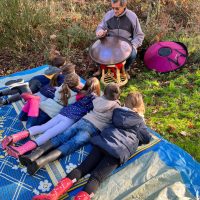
82	196
10	140
6	141
18	151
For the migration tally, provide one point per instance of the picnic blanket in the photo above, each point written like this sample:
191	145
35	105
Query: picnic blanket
159	170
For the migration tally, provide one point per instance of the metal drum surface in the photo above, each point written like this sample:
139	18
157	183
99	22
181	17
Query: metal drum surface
110	50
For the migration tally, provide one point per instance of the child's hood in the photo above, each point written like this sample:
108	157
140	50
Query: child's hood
101	104
123	118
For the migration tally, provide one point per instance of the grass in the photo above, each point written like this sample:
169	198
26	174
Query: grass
172	105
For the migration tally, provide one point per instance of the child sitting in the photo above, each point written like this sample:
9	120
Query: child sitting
112	147
81	132
61	122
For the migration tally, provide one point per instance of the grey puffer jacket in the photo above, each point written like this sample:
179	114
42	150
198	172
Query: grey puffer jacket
123	137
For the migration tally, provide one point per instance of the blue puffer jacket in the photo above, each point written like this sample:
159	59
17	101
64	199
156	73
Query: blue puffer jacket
122	138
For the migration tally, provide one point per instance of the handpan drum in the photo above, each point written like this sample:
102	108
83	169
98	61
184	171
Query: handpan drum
110	50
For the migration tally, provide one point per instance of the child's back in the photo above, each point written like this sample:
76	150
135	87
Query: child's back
127	132
122	138
101	115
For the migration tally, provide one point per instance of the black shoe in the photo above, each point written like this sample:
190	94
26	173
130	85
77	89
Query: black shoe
33	168
21	87
42	161
34	155
11	82
3	102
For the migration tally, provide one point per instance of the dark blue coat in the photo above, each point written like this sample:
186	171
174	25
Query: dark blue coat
78	109
49	91
122	138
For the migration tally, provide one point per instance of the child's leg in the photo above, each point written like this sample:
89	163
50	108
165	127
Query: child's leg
100	173
42	161
66	135
44	127
81	126
34	106
14	98
41	119
8	91
23	115
63	124
90	163
35	85
11	99
34	155
77	141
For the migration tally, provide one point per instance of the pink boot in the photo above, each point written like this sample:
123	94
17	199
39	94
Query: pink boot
9	140
26	107
33	111
18	151
26	96
34	106
82	196
62	187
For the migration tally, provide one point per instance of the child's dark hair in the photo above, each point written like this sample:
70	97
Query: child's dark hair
135	102
70	82
66	70
58	61
112	91
91	85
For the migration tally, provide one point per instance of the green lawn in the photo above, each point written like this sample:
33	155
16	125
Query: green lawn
172	104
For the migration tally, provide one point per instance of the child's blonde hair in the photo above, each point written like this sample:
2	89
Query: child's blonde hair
92	85
70	83
135	102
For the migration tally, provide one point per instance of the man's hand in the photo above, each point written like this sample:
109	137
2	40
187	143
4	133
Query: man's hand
101	33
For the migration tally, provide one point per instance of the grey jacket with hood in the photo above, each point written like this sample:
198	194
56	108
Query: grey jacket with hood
101	115
126	25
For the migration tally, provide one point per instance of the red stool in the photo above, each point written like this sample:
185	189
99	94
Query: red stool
114	73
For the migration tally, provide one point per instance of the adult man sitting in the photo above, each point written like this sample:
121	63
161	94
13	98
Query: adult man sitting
123	22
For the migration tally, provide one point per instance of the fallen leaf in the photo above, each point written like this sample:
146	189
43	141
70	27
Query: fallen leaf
184	133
